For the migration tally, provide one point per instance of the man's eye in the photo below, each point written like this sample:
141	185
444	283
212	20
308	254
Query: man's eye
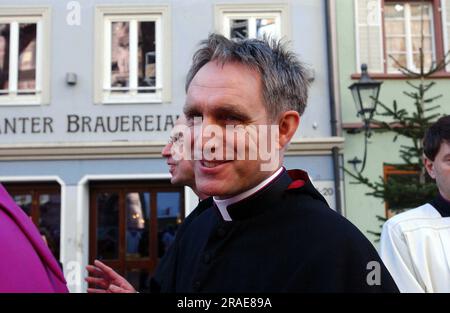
177	138
193	119
232	118
193	115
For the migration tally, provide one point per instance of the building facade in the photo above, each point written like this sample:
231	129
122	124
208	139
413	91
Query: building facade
89	91
369	31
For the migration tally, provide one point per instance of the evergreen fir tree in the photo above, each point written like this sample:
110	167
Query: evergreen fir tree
402	192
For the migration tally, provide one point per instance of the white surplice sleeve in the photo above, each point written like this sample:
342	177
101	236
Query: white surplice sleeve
396	256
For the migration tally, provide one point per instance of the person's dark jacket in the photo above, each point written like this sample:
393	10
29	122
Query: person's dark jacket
284	238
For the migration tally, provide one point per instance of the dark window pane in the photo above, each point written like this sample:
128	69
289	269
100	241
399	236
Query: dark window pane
394	27
419	11
139	279
394	10
4	58
120	54
396	45
427	59
27	57
394	24
169	216
146	56
416	27
138	224
108	226
400	58
266	27
417	44
50	220
24	201
239	29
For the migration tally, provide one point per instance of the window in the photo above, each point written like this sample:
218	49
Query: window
243	26
42	203
132	227
399	175
403	25
23	51
445	9
252	21
132	54
394	28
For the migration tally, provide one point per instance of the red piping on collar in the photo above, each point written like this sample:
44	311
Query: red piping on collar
299	179
296	184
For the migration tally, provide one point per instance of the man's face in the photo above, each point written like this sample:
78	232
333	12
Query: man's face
439	169
226	95
182	170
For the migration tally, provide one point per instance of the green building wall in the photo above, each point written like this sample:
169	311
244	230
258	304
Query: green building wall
359	208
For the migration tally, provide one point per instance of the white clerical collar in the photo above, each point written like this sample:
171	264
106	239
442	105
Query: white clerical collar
223	204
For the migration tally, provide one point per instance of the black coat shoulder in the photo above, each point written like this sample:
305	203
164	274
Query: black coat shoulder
342	259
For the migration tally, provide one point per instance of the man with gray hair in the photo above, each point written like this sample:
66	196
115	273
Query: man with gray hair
268	229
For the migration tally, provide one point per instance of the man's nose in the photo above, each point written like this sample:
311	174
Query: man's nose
166	150
212	136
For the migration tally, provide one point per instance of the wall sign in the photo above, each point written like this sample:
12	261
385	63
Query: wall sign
75	123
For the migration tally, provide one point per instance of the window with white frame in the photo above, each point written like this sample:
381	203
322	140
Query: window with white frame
404	23
252	21
388	30
445	9
23	46
244	25
134	58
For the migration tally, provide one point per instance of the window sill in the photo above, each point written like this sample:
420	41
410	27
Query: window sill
359	126
438	75
20	102
131	101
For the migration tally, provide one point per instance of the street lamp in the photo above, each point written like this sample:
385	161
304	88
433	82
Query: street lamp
365	94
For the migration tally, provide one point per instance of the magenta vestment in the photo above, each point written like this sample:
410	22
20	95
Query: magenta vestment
26	263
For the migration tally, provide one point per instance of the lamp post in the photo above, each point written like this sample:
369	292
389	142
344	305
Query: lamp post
365	94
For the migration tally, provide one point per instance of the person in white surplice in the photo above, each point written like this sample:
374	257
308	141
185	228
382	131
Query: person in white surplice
415	245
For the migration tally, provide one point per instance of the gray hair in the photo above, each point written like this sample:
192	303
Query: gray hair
284	78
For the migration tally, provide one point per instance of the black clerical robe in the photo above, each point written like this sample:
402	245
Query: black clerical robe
283	238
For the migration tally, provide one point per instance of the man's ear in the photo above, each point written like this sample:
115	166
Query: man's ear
288	125
429	167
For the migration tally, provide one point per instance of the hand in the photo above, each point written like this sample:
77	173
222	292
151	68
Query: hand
106	280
